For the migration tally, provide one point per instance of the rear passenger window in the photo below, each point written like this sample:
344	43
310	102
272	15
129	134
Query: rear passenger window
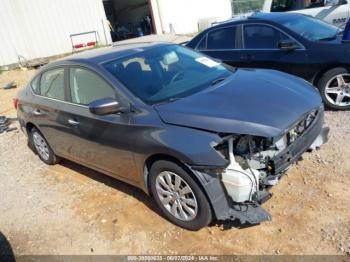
262	37
36	85
52	84
202	44
86	87
222	38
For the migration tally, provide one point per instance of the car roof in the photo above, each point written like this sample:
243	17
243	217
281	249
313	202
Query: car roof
100	55
274	16
260	16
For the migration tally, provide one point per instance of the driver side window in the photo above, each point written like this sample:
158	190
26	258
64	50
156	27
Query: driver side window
86	87
262	37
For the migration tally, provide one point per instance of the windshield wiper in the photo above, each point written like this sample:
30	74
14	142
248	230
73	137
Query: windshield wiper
218	80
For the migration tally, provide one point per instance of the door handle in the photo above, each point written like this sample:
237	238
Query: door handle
37	112
73	122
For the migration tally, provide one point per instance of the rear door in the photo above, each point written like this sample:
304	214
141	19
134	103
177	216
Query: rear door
261	50
222	43
47	107
98	141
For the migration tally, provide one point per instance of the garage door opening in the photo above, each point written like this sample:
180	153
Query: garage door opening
129	18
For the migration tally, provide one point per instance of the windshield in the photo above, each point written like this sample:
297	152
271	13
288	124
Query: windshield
167	73
311	28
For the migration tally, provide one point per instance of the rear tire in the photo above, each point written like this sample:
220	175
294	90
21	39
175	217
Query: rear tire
179	196
334	88
42	148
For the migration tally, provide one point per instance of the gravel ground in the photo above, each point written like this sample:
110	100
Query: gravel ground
69	209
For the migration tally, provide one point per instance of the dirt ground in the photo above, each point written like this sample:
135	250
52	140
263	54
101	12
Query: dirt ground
69	209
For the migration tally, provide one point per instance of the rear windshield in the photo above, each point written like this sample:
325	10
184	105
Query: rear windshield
310	28
166	73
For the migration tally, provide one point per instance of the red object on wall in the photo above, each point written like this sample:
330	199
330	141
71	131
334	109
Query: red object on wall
79	46
91	44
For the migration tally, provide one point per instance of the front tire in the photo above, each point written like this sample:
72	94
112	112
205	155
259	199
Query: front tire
42	148
179	196
334	88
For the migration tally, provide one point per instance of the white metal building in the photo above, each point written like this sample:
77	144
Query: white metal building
184	15
168	16
42	28
34	29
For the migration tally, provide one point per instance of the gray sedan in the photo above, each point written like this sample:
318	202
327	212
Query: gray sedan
204	139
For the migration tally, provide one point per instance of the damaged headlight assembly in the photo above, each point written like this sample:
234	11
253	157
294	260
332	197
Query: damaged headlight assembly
257	163
245	178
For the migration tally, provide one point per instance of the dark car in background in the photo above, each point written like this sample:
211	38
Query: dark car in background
205	140
288	42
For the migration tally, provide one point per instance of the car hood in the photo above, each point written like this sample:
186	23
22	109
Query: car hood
254	102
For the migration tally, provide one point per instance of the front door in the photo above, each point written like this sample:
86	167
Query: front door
261	50
98	141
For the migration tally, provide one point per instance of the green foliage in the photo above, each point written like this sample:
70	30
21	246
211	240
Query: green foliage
243	6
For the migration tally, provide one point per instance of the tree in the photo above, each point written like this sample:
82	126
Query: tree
244	6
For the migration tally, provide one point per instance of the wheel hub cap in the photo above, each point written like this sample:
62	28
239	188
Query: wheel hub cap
41	146
337	90
176	196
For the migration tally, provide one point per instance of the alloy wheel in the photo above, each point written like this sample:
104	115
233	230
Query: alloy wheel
41	146
176	196
337	90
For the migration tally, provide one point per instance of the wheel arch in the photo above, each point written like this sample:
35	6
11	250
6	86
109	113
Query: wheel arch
319	74
212	188
29	126
158	157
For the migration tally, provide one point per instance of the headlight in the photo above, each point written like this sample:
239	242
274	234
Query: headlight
282	143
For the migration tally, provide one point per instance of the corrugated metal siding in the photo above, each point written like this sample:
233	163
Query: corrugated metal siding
42	28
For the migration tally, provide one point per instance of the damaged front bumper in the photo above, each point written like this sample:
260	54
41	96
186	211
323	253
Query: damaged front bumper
222	194
321	139
223	206
312	139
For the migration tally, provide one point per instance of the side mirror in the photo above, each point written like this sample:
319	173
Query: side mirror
105	106
288	45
